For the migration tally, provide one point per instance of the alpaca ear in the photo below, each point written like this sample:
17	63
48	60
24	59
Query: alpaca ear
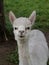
32	17
11	17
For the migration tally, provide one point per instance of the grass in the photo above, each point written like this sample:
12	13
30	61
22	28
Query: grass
13	57
25	7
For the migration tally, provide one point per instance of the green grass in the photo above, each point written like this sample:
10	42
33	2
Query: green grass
13	57
25	7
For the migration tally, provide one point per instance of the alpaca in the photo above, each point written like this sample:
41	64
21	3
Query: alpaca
32	45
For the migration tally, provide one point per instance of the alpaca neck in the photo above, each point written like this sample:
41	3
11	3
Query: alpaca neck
23	52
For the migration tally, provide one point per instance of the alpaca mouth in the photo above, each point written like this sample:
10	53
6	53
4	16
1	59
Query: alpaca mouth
21	36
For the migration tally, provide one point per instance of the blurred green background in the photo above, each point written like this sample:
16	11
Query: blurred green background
24	8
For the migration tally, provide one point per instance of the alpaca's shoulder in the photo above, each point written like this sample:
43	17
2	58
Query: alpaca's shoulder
37	33
37	38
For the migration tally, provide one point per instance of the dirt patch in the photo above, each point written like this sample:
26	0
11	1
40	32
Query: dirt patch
5	49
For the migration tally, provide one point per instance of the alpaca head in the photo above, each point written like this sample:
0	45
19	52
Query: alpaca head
22	25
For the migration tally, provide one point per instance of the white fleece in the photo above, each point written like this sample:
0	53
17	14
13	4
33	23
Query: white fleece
33	51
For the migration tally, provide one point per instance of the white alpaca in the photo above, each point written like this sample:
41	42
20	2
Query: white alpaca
32	45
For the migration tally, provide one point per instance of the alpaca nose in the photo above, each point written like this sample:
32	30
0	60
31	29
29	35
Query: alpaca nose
21	32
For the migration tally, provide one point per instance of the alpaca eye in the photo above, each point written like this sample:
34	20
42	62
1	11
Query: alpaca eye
16	28
27	28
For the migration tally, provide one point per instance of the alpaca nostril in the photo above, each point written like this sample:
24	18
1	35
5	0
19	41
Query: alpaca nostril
21	32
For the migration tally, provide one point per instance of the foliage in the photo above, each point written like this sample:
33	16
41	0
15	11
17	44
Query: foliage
25	8
48	63
13	57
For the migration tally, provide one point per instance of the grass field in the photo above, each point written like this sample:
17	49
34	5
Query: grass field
25	8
